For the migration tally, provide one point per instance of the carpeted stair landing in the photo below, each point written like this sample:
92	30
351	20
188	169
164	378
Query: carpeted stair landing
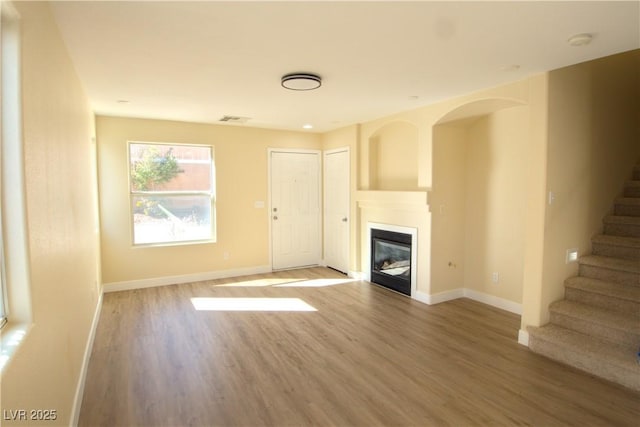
596	327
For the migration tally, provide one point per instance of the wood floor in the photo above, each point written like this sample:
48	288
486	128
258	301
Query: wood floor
366	357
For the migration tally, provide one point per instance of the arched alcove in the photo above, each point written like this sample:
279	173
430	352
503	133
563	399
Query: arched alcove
393	157
477	202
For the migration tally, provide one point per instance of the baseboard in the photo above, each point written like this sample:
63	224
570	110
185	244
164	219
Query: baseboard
523	337
491	300
358	275
185	278
77	401
439	297
501	303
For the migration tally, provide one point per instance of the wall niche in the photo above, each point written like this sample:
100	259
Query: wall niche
393	158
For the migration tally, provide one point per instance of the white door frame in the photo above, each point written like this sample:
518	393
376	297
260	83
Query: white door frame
270	210
348	213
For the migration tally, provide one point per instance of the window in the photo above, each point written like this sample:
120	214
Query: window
172	192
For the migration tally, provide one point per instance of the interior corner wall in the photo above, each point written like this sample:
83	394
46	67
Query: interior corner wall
241	159
60	191
495	196
477	204
593	143
447	200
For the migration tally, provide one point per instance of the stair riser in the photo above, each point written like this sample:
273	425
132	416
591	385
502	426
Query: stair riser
602	301
629	230
615	251
616	276
627	210
632	191
628	339
583	362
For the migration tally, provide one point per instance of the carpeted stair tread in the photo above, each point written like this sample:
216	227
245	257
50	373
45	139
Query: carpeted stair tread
622	219
629	266
616	290
601	358
621	328
632	189
628	201
629	206
629	242
616	246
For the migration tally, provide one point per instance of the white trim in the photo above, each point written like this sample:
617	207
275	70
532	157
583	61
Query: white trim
77	401
185	278
358	275
446	296
523	337
422	297
501	303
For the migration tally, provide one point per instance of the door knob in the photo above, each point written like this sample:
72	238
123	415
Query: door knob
275	217
344	219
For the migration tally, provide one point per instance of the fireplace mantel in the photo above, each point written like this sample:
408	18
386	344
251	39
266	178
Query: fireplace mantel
415	198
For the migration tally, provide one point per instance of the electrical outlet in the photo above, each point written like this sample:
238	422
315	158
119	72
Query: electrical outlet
495	277
225	255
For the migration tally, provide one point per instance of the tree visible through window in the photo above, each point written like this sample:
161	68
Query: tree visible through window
172	190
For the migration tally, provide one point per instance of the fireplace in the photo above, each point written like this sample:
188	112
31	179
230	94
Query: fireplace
391	259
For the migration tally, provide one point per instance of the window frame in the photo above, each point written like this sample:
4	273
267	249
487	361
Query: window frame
16	292
211	195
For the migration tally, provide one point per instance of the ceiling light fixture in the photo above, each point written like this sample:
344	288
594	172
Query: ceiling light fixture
301	81
307	126
580	40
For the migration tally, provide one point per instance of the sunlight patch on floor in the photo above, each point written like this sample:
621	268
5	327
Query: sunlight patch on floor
288	282
315	283
260	282
251	304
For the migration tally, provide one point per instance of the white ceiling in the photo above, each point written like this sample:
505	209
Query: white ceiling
199	61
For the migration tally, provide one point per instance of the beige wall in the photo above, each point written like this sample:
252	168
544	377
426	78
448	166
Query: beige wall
478	203
594	141
62	222
393	158
242	179
448	207
494	205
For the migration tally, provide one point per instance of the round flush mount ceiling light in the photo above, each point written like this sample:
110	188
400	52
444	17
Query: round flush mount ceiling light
301	81
580	39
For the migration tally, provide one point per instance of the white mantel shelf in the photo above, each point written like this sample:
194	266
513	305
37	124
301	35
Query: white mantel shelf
417	198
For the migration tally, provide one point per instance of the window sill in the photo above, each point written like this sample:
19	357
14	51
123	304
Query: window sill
13	335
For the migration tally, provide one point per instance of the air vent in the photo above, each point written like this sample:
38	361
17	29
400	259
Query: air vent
235	119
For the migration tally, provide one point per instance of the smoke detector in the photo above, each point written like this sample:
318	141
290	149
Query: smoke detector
580	40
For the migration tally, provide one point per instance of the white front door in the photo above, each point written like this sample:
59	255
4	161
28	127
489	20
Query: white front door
336	209
295	209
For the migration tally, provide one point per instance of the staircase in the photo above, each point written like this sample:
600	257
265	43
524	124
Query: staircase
596	327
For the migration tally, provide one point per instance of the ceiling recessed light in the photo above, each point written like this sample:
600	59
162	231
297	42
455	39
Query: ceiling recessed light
512	67
301	81
307	126
122	101
580	39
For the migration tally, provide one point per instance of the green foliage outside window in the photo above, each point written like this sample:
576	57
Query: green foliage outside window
153	169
